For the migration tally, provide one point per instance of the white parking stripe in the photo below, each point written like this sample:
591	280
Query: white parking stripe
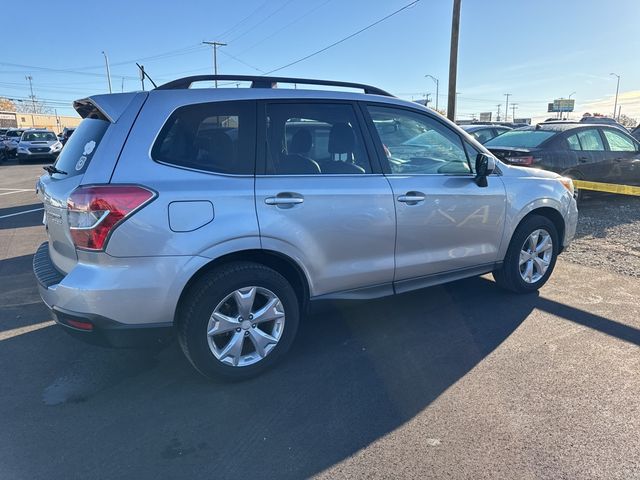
17	191
20	213
21	189
7	334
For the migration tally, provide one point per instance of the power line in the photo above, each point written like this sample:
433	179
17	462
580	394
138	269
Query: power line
241	61
250	29
236	25
343	39
294	21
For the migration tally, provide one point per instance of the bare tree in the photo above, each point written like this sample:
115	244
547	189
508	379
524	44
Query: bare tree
7	105
37	106
627	121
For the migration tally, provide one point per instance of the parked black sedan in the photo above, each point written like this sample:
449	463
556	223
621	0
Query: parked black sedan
597	153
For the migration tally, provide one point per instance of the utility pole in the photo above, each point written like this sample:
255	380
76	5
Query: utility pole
106	62
32	96
619	112
498	115
215	46
453	61
437	87
506	108
513	108
615	105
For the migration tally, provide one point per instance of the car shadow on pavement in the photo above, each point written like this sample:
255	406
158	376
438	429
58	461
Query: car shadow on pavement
21	220
357	372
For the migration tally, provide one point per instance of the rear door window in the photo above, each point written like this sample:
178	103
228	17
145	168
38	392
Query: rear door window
217	137
79	149
590	140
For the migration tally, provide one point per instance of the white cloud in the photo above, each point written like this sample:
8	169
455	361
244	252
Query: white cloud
630	102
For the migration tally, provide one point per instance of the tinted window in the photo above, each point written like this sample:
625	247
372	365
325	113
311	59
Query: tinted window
618	142
520	138
418	144
39	137
217	137
573	142
590	140
483	135
307	139
80	149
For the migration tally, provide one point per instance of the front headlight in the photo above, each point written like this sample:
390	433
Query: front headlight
56	146
22	149
568	184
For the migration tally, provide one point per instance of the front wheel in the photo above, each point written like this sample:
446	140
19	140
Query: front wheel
238	320
531	256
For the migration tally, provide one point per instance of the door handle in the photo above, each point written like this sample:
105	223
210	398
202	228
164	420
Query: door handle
412	198
287	200
583	159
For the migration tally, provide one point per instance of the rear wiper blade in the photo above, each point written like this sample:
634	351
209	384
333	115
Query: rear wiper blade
50	169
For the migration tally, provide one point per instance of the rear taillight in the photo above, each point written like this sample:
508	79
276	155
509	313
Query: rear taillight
95	211
527	160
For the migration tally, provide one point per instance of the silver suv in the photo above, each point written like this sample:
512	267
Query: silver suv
217	215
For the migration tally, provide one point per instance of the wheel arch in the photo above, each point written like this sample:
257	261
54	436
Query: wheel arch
282	264
553	215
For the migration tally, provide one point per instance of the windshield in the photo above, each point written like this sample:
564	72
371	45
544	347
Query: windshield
15	133
520	139
39	137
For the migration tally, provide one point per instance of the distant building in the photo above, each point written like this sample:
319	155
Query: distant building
35	120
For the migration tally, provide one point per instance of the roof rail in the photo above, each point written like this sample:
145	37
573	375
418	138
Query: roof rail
268	82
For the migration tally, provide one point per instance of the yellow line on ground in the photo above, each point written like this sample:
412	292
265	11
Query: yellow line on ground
7	334
607	187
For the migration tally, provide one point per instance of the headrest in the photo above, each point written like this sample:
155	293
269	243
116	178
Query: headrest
301	141
341	138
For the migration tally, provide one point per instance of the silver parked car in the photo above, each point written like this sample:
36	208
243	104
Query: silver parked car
217	215
36	144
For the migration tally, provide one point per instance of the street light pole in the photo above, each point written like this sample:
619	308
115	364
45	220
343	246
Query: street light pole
453	61
215	46
615	105
106	61
437	87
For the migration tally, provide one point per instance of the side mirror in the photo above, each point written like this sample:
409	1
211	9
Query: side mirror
485	165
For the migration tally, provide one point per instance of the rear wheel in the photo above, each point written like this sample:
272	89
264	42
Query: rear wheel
531	256
238	320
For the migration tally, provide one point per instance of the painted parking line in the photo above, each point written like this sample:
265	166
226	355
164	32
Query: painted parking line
17	190
607	187
7	334
21	213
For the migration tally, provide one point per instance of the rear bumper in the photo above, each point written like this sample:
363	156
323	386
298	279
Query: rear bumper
104	332
119	301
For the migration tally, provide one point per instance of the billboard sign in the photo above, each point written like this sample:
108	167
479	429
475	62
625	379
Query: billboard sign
562	105
485	116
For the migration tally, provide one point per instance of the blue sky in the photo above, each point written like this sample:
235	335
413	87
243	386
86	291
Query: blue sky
535	50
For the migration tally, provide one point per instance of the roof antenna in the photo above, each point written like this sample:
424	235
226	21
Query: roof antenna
145	74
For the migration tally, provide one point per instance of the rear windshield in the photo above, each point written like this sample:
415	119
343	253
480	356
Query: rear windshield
520	139
81	146
39	137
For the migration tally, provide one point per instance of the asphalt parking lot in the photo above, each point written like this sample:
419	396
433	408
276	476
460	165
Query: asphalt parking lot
456	381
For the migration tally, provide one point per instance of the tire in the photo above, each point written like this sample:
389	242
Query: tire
218	291
510	276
